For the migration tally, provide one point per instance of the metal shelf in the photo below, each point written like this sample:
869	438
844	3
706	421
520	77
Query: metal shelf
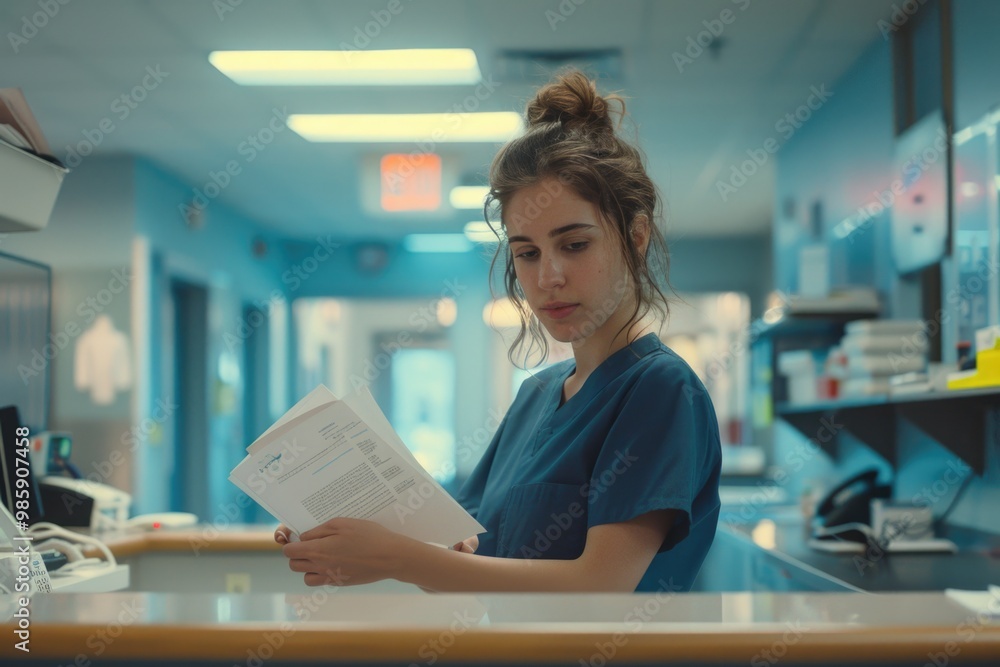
956	419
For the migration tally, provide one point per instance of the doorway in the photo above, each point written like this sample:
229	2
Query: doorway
189	485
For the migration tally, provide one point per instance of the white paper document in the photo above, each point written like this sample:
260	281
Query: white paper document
328	457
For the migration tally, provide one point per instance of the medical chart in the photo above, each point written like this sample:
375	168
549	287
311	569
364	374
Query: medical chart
328	457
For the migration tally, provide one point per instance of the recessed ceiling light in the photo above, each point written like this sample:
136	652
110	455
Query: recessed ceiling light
496	126
400	67
468	196
501	313
437	243
478	231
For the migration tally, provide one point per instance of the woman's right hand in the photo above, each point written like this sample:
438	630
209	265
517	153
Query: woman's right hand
468	545
282	535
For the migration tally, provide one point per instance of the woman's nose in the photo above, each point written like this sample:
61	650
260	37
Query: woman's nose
550	274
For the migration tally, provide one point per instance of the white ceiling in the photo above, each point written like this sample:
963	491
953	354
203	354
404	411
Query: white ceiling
692	125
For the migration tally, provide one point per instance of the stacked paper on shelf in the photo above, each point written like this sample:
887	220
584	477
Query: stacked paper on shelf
841	300
882	343
18	126
328	458
886	327
876	351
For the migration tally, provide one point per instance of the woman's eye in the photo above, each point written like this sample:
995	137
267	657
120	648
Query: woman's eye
526	254
579	245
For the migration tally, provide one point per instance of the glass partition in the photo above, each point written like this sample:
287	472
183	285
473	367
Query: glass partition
975	243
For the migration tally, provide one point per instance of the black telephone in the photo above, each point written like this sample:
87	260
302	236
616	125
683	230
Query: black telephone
850	503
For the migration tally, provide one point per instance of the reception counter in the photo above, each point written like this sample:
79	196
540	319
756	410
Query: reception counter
386	625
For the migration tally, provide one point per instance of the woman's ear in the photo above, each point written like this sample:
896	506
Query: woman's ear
640	232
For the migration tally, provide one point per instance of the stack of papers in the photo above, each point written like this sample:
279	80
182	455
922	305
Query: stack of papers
328	458
18	126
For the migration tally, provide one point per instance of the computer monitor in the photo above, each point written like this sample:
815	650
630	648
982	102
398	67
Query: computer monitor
19	489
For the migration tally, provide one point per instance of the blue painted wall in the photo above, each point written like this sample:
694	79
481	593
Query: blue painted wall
217	255
840	158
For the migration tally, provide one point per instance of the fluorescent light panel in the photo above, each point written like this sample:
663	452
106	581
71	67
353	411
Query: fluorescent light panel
400	67
437	243
496	126
469	196
478	231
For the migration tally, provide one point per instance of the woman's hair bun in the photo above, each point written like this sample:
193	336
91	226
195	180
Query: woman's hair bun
572	100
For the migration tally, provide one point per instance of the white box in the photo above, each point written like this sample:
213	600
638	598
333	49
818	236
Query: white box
986	337
814	271
799	366
28	189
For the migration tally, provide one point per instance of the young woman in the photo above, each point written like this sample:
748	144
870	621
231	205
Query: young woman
604	474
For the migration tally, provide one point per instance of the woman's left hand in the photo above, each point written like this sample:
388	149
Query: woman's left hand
347	552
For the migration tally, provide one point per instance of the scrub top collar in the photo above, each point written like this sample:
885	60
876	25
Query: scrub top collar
608	370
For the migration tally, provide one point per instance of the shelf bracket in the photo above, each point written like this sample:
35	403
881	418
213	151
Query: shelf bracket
959	425
809	424
874	425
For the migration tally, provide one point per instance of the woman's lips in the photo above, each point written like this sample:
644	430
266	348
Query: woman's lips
561	312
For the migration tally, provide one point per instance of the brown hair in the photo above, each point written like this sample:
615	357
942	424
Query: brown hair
570	136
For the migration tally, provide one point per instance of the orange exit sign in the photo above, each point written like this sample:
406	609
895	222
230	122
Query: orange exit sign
411	182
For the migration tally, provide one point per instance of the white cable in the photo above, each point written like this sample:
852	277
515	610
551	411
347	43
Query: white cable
862	528
62	546
76	558
46	531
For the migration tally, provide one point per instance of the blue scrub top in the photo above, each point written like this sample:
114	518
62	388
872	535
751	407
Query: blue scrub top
640	435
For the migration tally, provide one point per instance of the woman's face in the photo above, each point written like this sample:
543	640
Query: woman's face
567	263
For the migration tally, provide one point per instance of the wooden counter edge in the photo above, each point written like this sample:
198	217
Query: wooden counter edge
291	641
195	541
